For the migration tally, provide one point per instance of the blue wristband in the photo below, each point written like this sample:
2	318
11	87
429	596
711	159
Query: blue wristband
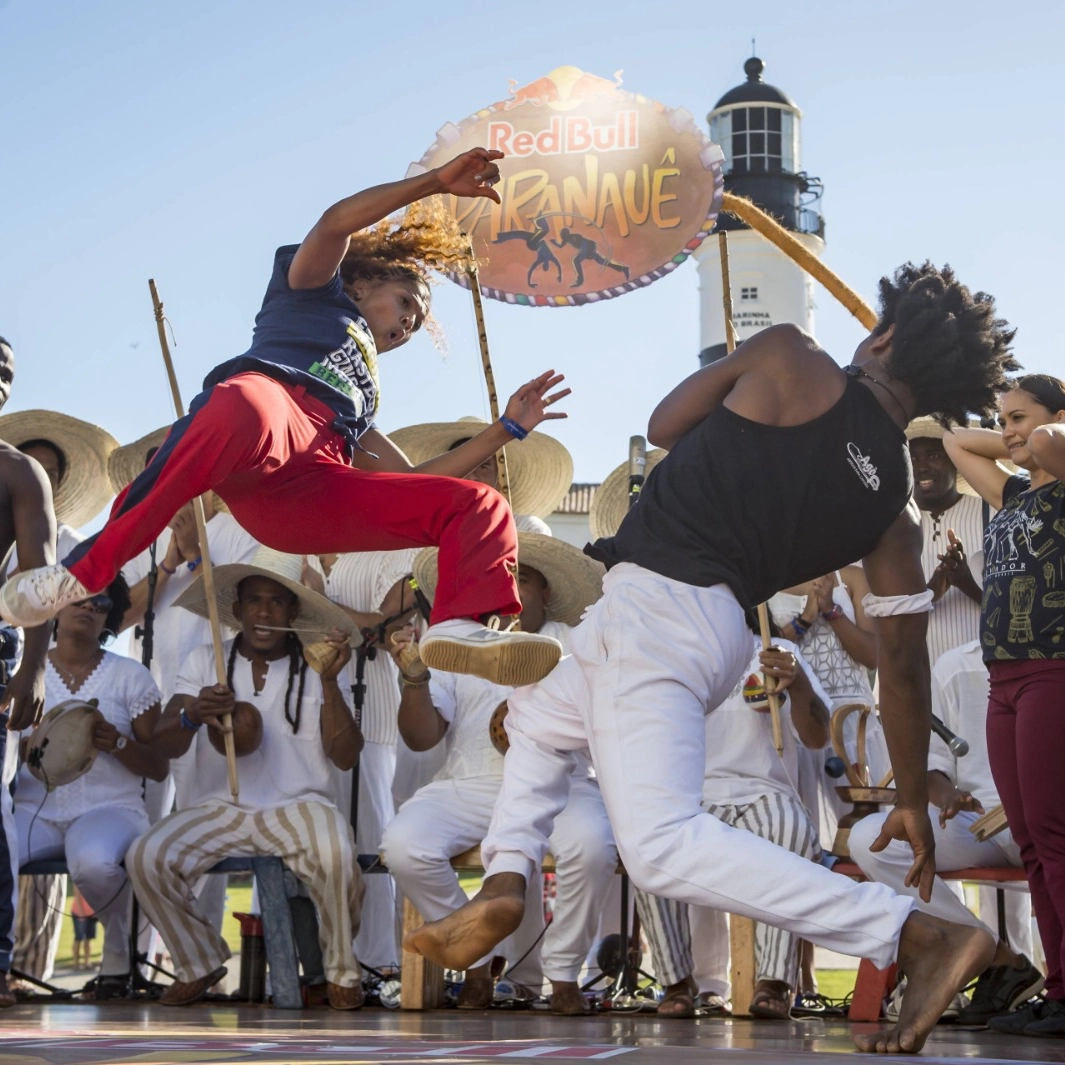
187	723
194	563
513	428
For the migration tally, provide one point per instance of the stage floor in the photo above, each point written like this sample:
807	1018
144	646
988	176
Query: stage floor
117	1034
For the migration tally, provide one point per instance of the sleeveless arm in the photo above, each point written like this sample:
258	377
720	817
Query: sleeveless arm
1047	446
893	568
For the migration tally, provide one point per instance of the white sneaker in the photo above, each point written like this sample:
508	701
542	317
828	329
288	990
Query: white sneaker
30	598
508	658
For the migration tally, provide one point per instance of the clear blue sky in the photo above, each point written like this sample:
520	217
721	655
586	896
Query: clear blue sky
186	141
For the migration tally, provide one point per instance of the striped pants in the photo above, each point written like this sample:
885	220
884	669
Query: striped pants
312	839
776	817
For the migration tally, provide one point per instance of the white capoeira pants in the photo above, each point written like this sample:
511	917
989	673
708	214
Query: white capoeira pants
312	839
776	817
94	846
649	660
447	817
956	848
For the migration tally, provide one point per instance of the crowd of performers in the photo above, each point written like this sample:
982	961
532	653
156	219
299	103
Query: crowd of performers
368	583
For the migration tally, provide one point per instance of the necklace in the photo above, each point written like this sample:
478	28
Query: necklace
74	678
857	371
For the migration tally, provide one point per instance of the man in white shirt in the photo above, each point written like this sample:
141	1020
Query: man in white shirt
960	790
285	806
452	813
952	530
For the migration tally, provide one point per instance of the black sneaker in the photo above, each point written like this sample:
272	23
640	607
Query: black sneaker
1052	1022
999	990
1016	1022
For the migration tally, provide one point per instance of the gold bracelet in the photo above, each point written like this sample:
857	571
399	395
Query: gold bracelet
408	682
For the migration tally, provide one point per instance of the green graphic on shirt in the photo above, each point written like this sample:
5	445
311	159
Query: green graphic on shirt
332	378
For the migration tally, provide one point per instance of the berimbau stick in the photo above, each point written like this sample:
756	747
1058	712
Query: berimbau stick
486	361
763	613
205	555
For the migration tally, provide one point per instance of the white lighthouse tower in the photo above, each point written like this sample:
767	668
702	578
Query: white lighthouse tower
757	127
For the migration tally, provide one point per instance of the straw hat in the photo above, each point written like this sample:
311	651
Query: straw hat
926	428
576	581
315	611
610	503
127	461
85	488
540	468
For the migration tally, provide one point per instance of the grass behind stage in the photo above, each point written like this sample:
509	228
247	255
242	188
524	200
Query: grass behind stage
833	983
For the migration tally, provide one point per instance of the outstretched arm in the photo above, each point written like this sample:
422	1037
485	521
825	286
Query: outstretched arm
528	407
319	256
33	519
975	453
894	569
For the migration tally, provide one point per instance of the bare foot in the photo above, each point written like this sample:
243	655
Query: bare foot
567	1000
938	958
468	934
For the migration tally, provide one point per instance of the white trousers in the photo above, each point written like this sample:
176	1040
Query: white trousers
377	944
312	839
651	658
94	846
956	848
447	817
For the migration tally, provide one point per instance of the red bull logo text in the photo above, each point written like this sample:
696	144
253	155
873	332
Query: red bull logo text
564	136
602	191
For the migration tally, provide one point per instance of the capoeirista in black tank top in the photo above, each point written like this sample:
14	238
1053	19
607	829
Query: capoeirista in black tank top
762	507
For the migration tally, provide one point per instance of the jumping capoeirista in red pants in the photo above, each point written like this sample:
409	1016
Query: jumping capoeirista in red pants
285	433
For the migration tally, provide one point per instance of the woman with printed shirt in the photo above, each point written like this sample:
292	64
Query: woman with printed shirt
1022	631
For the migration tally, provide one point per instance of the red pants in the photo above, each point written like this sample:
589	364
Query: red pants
268	450
1026	746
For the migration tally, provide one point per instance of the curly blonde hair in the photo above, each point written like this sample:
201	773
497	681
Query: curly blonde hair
426	238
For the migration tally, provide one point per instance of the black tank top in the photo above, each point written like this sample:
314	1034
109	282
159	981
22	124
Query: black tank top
762	507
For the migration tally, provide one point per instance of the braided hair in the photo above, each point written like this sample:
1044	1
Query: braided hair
297	666
948	347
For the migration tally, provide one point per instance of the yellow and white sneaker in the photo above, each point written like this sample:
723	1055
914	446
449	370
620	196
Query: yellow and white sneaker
30	598
510	658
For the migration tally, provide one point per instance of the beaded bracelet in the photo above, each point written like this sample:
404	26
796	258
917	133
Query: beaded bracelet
800	626
835	612
512	427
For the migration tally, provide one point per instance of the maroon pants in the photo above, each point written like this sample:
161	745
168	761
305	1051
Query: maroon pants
1026	745
268	450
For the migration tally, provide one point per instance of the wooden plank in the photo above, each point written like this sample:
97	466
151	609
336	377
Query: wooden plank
421	982
744	964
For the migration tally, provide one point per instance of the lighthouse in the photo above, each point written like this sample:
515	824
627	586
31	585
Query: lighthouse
758	127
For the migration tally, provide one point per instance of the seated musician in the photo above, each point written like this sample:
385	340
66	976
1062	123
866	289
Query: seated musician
284	807
451	813
92	820
959	790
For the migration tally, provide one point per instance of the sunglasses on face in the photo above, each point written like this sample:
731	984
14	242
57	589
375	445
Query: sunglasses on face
98	604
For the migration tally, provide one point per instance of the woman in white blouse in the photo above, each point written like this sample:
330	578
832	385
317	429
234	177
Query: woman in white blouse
92	820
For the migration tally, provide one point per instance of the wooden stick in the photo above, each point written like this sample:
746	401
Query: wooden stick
758	220
763	613
486	361
889	776
205	555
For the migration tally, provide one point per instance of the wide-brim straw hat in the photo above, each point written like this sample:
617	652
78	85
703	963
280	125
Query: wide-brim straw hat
610	503
539	467
127	461
316	613
85	487
926	428
574	579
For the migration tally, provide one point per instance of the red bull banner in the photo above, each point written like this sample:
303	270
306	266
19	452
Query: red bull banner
603	191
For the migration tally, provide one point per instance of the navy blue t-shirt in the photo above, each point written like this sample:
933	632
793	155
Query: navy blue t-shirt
313	337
